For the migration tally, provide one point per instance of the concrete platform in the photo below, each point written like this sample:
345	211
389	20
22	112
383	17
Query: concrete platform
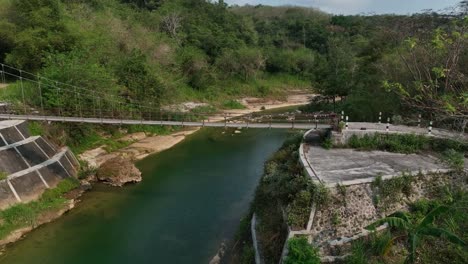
348	166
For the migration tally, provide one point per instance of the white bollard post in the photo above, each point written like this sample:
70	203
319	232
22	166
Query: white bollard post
342	116
380	117
388	124
346	122
419	120
430	128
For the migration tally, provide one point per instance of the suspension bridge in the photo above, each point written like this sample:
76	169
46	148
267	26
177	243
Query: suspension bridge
34	97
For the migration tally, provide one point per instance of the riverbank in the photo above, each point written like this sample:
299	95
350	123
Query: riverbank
196	191
50	206
141	147
144	145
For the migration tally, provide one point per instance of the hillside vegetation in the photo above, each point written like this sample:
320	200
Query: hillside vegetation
161	52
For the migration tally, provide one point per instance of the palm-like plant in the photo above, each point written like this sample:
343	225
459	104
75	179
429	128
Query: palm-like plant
415	230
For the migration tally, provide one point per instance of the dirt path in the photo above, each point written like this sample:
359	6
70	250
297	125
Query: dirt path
146	145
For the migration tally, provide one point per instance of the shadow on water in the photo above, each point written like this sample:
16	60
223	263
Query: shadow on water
191	199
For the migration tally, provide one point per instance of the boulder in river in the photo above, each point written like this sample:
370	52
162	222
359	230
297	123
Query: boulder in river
118	171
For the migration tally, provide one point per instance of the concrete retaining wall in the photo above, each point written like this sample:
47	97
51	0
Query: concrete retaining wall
31	164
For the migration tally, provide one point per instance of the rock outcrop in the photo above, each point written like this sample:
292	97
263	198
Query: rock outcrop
118	171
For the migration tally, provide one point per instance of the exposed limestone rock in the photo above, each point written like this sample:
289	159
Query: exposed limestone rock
219	256
118	171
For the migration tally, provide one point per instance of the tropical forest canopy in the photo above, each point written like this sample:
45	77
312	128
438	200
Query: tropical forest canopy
170	51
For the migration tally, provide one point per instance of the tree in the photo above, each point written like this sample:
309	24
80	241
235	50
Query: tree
429	76
195	68
171	24
40	30
244	62
7	38
88	82
148	4
415	231
142	84
341	72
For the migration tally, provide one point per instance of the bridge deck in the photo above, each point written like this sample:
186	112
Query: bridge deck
291	125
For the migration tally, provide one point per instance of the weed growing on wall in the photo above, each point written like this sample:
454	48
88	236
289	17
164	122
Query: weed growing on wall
3	175
388	192
404	143
454	159
300	251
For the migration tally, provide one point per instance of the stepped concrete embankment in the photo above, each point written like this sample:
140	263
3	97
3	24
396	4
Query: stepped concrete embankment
30	164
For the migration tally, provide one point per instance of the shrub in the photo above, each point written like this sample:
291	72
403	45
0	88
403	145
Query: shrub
404	143
248	255
321	194
454	159
3	175
358	254
35	128
327	143
336	219
299	209
301	252
397	120
389	191
233	104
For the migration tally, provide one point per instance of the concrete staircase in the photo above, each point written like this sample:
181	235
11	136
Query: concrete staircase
30	163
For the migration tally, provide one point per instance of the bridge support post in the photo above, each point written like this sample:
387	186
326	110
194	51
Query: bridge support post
3	74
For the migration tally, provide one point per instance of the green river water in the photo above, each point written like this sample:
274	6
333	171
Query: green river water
191	199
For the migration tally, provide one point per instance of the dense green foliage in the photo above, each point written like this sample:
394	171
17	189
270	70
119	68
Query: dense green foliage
284	196
433	231
166	51
421	224
21	215
388	192
301	252
156	52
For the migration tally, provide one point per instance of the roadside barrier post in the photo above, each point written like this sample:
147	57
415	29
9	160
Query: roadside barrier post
346	122
380	117
388	124
419	120
225	121
342	116
430	128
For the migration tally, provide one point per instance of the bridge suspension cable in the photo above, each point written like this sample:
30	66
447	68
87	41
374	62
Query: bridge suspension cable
46	99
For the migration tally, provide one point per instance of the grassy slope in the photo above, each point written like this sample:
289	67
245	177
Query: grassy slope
116	29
